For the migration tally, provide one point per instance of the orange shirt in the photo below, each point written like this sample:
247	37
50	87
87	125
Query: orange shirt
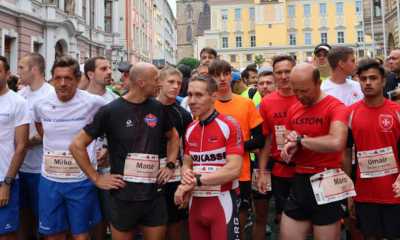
244	111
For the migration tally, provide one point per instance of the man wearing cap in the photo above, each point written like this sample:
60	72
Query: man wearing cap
124	68
321	59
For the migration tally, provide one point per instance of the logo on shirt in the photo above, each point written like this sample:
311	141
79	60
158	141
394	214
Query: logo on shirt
212	139
129	123
151	120
386	122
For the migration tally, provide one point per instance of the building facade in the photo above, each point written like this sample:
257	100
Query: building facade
81	28
165	34
245	30
193	18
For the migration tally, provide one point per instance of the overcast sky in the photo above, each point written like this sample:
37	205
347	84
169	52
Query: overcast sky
173	5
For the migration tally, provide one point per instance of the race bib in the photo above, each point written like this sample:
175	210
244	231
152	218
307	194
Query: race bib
254	179
206	191
61	164
377	163
141	168
177	172
331	186
280	131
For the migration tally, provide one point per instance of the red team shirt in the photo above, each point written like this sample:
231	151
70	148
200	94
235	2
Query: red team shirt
375	128
208	145
273	109
315	121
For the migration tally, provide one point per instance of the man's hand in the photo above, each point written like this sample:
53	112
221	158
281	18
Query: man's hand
396	187
288	151
292	136
188	177
4	195
182	195
110	181
164	175
262	182
102	158
352	209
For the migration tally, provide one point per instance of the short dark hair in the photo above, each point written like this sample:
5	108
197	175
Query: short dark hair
212	85
265	73
316	75
67	61
368	63
36	59
6	65
219	66
245	73
281	58
338	54
90	64
209	51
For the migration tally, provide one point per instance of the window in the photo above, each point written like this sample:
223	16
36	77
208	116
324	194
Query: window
238	41
339	8
252	13
358	7
340	37
233	58
84	9
322	9
292	39
360	36
307	10
224	14
307	38
238	14
249	57
252	41
108	16
225	42
324	37
291	11
377	8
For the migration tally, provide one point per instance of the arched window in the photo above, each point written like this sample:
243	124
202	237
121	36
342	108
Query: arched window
189	11
189	33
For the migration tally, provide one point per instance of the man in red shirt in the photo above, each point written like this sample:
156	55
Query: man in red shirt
273	109
375	129
317	127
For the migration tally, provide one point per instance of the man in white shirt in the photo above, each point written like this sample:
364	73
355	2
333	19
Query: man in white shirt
67	199
31	70
14	131
340	85
98	71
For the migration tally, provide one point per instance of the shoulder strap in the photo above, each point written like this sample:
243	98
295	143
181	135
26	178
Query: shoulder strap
252	92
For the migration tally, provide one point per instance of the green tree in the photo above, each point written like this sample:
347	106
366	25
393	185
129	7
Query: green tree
191	62
259	60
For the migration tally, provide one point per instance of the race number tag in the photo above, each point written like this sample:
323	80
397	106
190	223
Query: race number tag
280	131
377	163
206	191
61	164
141	168
177	172
254	178
331	186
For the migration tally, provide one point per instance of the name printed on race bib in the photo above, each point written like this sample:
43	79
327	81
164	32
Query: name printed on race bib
177	172
331	186
206	191
141	168
280	131
61	164
254	179
377	163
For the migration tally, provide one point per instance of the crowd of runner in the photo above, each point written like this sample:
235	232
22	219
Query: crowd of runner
179	151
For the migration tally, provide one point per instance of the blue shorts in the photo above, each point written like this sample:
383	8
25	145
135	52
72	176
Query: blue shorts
67	206
29	194
9	214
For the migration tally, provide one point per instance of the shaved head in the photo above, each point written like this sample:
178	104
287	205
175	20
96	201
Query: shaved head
144	77
141	70
305	72
305	81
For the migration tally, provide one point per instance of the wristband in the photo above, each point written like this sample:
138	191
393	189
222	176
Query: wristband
298	140
198	180
170	165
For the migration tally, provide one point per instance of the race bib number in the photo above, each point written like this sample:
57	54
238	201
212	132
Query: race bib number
206	191
377	163
254	179
61	164
141	168
280	131
177	172
331	186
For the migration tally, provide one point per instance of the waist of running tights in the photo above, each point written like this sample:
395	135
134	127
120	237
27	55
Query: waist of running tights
301	169
236	191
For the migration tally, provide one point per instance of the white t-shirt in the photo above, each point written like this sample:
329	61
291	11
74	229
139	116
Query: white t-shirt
109	96
34	156
62	121
349	92
14	112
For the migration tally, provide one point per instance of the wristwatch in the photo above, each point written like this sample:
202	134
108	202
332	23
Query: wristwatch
198	180
298	140
8	181
171	165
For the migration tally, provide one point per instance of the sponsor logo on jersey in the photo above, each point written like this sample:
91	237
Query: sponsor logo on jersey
386	122
129	123
212	139
210	157
151	120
